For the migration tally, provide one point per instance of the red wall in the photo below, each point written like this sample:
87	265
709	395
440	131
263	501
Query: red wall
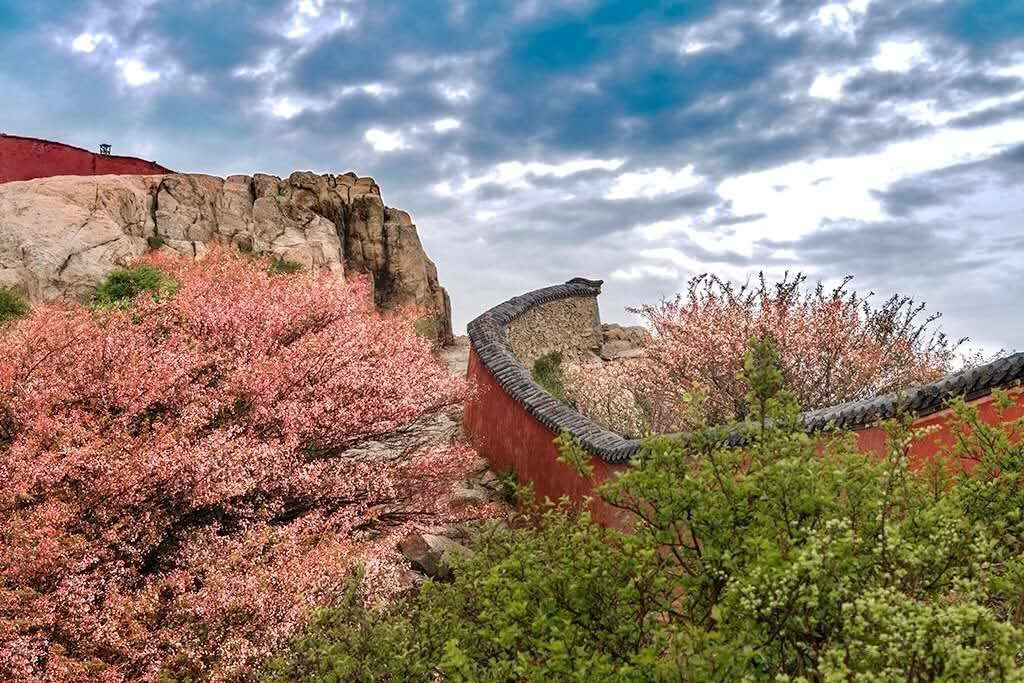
511	439
924	448
28	158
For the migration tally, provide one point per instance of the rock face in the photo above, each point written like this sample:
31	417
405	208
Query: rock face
60	236
623	342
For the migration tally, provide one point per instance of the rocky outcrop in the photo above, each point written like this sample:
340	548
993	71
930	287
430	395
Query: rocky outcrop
60	236
623	342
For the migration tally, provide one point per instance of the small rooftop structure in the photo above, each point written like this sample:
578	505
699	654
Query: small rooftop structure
105	149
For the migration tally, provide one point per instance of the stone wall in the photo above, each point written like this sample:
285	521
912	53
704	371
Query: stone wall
513	422
569	326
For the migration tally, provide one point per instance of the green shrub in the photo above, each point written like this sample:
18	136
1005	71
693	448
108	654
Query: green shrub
284	267
428	327
568	602
155	241
121	287
12	305
547	372
789	558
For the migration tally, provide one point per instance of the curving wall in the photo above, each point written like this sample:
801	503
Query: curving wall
512	421
28	158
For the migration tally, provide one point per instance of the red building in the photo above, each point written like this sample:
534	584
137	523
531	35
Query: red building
24	158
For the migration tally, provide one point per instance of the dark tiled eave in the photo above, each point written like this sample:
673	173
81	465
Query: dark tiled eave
488	339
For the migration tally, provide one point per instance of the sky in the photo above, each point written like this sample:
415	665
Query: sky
636	142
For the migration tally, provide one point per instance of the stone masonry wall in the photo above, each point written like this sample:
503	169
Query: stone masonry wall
571	326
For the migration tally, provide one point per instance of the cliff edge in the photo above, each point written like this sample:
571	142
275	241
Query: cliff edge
60	236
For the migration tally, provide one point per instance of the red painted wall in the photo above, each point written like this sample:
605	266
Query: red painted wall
28	158
873	438
511	439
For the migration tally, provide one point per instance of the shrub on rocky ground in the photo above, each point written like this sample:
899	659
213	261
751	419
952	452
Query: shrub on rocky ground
124	284
12	305
178	485
547	372
788	558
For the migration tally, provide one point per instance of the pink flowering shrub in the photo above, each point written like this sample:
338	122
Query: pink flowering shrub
177	493
834	346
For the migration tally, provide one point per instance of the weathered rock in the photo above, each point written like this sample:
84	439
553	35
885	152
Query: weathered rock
470	493
60	236
431	553
623	342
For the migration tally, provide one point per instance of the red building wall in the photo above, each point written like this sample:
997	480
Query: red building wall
28	158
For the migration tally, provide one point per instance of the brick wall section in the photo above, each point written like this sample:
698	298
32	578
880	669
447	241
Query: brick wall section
29	158
570	326
512	421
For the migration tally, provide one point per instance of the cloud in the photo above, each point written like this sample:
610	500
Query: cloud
899	56
135	72
536	141
652	183
445	125
384	140
518	174
86	43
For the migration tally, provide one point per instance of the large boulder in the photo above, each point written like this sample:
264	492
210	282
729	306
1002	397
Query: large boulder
60	236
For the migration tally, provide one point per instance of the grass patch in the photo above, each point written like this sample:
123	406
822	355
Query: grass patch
428	327
121	287
284	267
12	305
547	372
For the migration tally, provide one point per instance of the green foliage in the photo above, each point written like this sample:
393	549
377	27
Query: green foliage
788	558
573	455
280	266
569	602
509	489
547	372
155	241
428	327
12	305
121	287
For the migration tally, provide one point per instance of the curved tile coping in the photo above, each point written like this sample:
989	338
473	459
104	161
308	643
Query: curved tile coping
487	338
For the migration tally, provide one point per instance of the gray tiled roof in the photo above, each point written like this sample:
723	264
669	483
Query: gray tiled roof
487	337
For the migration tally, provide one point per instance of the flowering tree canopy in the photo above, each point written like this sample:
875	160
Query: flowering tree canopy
833	345
178	487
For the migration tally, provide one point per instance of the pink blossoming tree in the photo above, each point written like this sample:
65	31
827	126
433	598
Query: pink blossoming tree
178	486
834	346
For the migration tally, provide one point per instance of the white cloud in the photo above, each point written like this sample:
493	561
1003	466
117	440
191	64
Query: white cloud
455	92
899	56
310	20
385	141
346	20
86	43
284	107
795	202
378	90
843	17
829	86
445	125
514	174
643	271
135	72
652	183
266	66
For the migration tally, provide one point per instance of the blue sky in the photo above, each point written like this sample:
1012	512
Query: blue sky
638	142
